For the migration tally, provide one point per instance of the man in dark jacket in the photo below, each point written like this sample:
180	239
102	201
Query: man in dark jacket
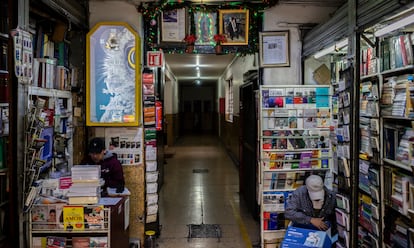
312	204
111	168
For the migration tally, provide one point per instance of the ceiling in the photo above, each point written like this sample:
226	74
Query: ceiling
210	67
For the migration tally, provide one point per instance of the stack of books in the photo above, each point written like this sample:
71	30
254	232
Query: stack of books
86	184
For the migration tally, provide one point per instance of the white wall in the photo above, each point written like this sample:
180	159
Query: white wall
288	17
171	99
240	65
115	11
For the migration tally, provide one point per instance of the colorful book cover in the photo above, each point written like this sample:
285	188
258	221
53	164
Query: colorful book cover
94	217
73	218
98	242
274	201
80	242
265	98
305	159
55	242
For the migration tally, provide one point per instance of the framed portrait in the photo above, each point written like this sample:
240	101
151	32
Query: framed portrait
173	25
274	49
235	25
205	27
113	82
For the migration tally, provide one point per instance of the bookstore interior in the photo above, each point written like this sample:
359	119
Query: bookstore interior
60	82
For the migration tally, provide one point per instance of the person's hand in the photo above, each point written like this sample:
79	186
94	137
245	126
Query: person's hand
319	223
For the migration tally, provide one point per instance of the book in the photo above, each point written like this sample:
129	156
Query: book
55	242
98	242
274	201
39	242
73	218
80	242
273	221
94	217
305	158
77	200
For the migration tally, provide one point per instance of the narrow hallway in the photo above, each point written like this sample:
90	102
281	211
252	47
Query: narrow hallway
201	186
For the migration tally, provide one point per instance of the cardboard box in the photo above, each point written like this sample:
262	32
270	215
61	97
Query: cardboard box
300	237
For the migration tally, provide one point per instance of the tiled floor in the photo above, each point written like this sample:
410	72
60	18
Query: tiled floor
201	185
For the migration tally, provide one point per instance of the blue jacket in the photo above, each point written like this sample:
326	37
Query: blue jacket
299	207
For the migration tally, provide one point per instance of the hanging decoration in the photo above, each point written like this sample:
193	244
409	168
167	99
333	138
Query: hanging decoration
152	11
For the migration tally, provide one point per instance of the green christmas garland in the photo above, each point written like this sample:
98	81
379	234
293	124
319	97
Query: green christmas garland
152	11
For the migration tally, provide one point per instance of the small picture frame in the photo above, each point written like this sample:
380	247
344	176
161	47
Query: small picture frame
274	49
234	24
173	25
205	27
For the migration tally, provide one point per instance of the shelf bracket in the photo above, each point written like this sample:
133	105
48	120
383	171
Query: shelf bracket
370	43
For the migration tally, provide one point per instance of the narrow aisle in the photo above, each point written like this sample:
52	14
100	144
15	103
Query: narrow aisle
201	186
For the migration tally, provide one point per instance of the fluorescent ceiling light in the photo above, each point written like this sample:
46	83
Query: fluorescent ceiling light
331	49
394	26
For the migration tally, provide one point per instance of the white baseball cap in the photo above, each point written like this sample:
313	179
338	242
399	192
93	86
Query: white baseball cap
314	184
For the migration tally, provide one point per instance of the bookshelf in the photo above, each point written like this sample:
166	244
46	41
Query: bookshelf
386	175
397	117
294	135
369	169
6	153
48	138
152	166
49	77
58	223
342	108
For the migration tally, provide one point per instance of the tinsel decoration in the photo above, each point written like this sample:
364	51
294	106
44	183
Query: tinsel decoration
152	11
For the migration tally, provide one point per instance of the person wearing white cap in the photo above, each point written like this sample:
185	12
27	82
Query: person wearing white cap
312	205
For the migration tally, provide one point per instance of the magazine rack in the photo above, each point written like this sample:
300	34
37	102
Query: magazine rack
58	224
294	134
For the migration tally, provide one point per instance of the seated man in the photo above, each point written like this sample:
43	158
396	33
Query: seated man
312	205
111	168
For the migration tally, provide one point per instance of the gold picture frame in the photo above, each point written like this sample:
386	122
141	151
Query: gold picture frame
113	83
234	24
274	49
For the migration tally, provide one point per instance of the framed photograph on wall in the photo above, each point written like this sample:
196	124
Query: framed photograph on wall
235	25
205	27
173	25
113	86
274	49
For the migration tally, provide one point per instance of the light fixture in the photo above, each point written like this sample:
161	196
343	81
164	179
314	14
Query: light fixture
331	49
394	26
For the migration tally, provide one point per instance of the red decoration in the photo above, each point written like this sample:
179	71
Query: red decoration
220	38
190	39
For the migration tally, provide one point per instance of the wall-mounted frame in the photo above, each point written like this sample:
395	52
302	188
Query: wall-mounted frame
274	49
113	86
205	27
235	25
173	25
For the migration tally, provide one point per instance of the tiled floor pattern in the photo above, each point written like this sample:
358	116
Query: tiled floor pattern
201	185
